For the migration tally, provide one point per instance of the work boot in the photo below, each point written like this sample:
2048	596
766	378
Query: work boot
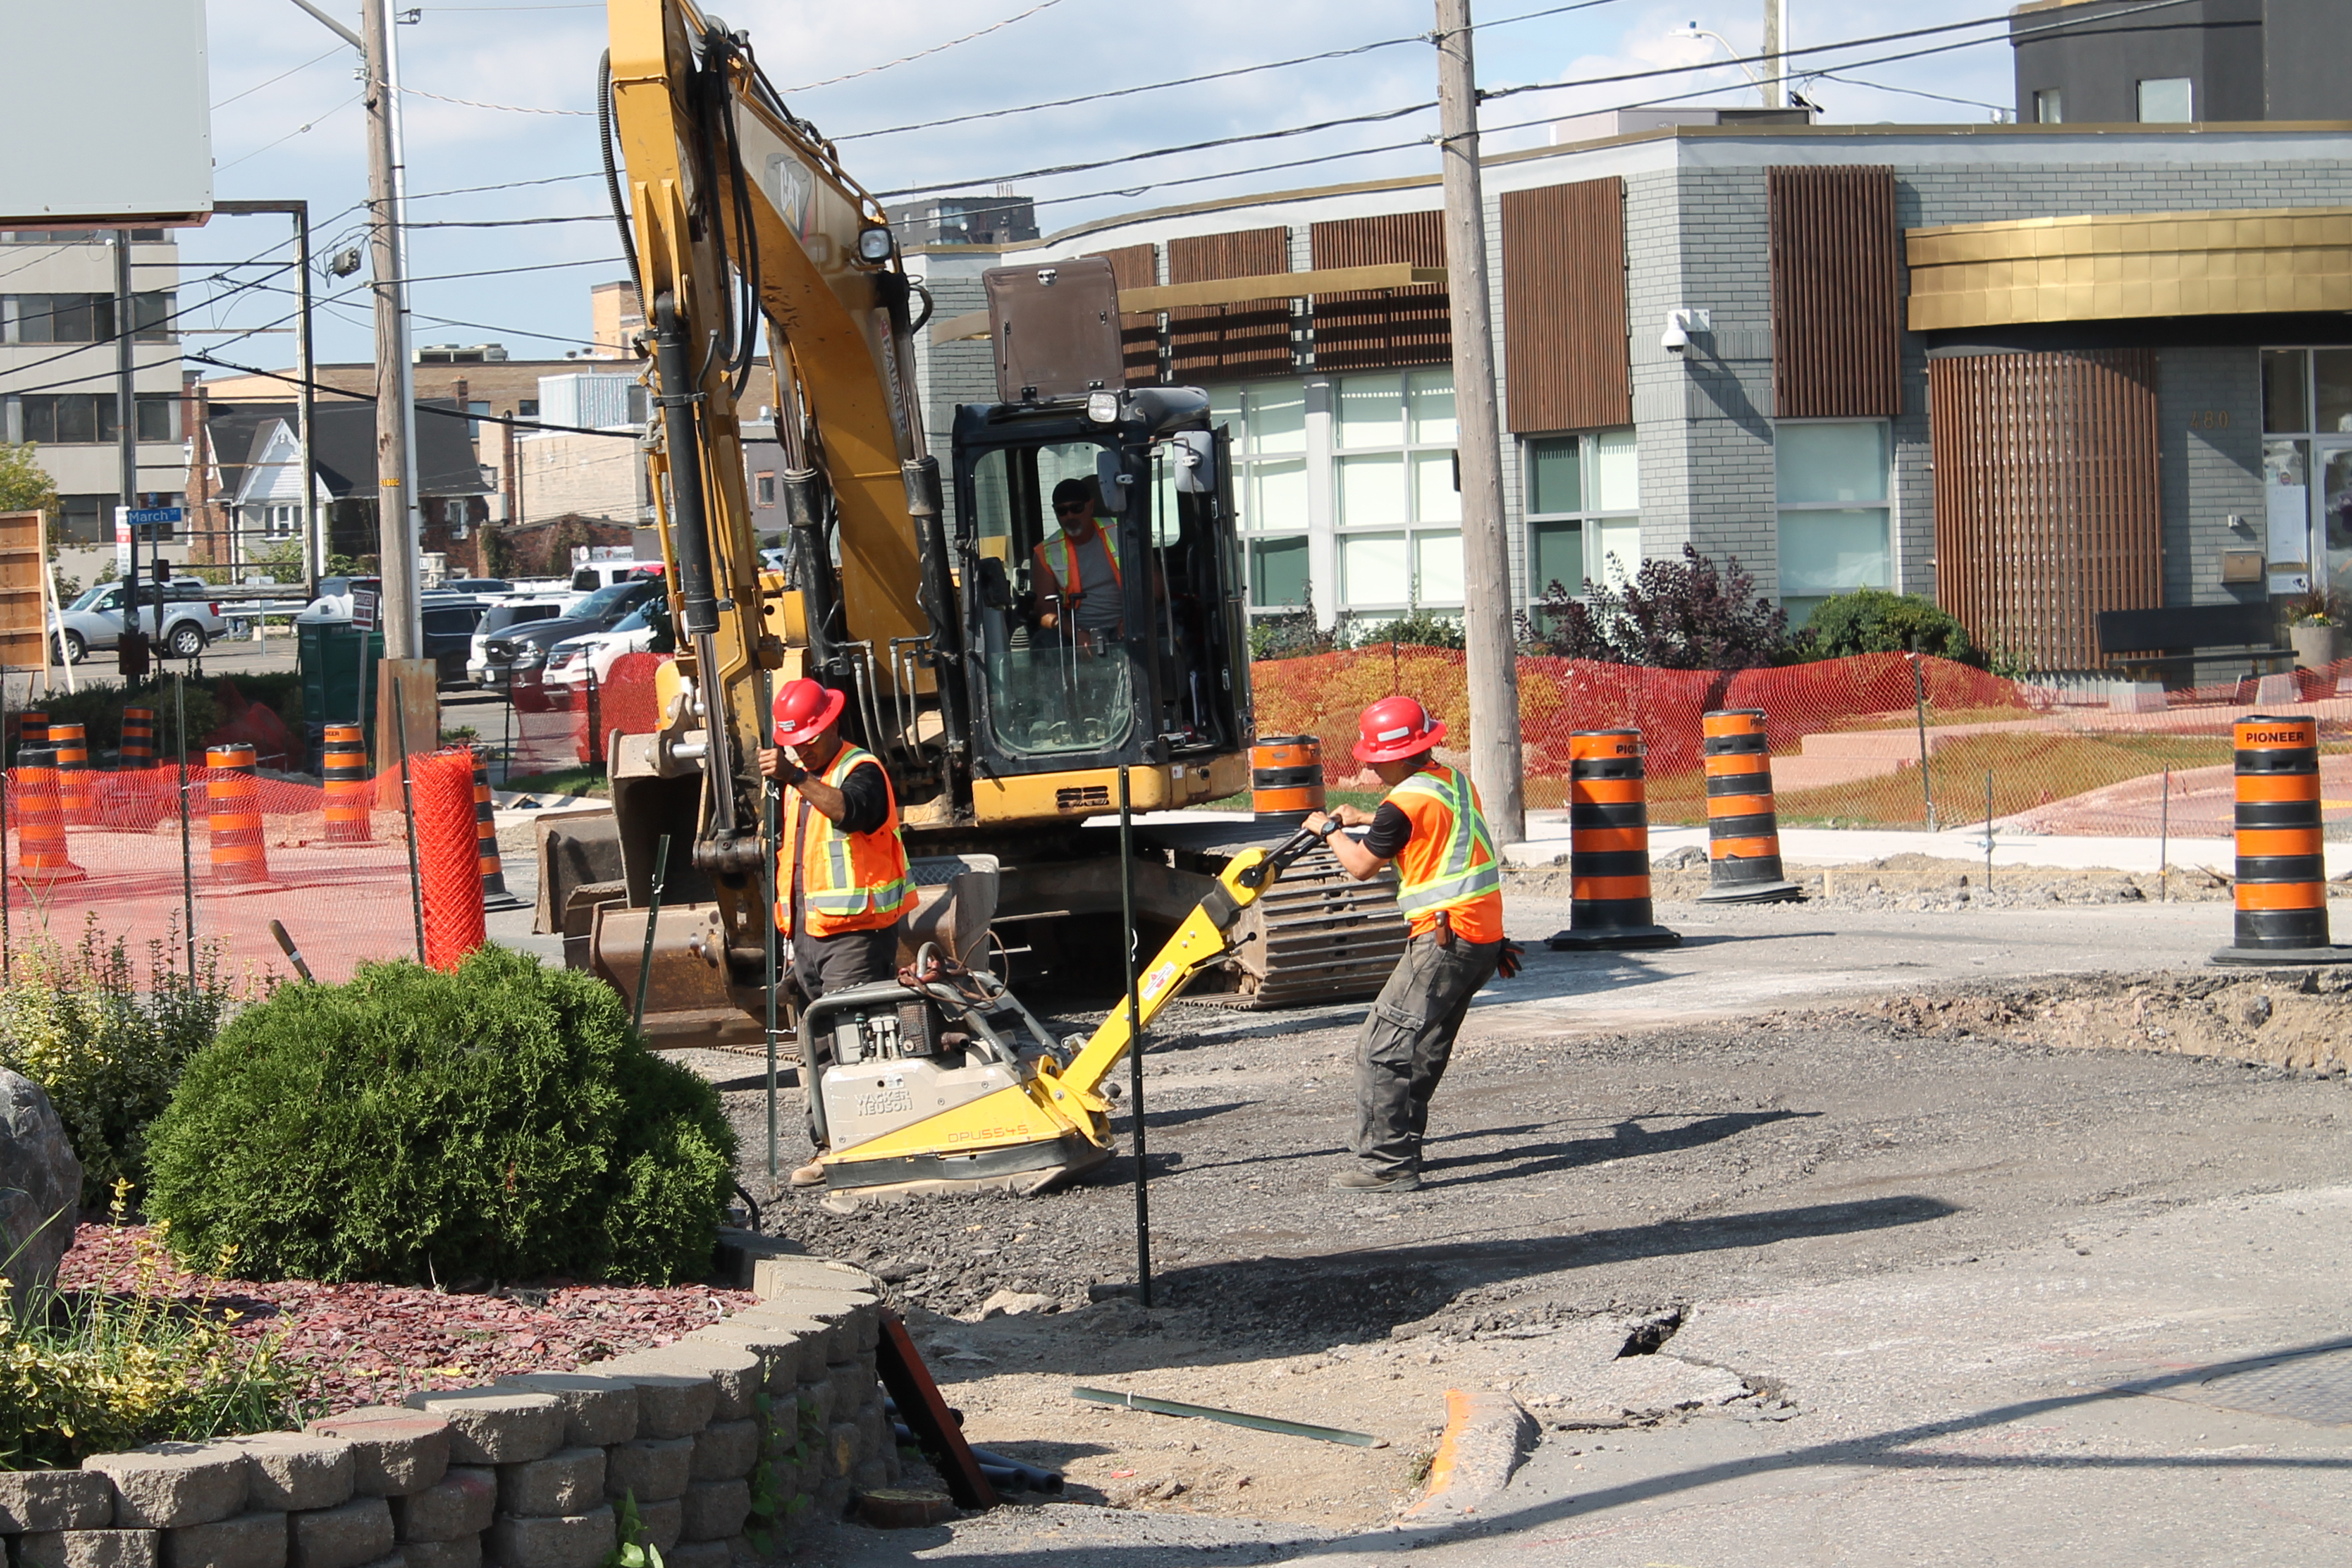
1362	1181
809	1175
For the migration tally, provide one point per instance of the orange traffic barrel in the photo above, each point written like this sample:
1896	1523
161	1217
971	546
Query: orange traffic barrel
41	858
1743	831
2282	883
138	748
486	842
351	794
233	795
1609	847
73	770
32	729
1287	775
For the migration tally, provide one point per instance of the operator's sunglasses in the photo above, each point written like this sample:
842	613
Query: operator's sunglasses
1068	507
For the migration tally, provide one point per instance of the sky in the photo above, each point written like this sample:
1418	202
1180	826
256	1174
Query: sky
287	122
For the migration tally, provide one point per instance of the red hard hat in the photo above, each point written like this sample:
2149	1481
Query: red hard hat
804	709
1396	728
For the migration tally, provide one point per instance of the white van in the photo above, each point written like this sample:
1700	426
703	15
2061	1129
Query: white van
595	575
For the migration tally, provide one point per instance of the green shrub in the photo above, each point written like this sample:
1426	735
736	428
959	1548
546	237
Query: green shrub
502	1123
109	1052
1872	620
1421	629
1291	634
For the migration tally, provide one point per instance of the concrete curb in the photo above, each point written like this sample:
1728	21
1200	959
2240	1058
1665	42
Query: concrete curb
1487	1436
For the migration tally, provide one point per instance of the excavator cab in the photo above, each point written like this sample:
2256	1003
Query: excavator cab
1169	680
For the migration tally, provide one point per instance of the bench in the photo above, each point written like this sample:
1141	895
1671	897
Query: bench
2187	636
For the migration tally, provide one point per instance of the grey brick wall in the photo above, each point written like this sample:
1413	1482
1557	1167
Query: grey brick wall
2209	473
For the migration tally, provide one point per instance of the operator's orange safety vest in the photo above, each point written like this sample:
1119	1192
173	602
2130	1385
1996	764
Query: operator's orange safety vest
1449	864
850	881
1061	558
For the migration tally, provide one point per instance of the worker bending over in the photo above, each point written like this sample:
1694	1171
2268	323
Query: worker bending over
841	885
1450	889
1080	585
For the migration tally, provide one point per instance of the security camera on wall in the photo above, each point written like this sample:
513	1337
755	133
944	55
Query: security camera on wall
1680	325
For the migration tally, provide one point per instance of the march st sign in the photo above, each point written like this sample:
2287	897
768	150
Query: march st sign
144	521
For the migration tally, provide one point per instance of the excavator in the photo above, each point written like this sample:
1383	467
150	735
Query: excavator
1002	739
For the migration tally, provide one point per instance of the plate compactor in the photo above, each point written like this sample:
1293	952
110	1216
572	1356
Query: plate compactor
942	1081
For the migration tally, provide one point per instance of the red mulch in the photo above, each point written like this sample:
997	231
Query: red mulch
371	1344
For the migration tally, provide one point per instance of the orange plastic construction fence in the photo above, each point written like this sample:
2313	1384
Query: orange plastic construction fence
448	865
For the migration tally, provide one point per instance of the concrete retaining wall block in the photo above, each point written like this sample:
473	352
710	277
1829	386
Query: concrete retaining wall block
651	1470
735	1373
578	1540
568	1481
165	1486
289	1471
244	1541
457	1506
357	1533
394	1451
725	1450
87	1549
48	1501
599	1410
466	1552
669	1404
715	1510
496	1426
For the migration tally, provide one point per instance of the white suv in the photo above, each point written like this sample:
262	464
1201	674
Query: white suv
189	620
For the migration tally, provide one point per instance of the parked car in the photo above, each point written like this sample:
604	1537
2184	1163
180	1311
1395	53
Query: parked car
497	618
571	662
479	587
595	575
449	625
190	619
515	660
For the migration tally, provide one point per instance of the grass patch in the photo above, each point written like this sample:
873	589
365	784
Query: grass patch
584	783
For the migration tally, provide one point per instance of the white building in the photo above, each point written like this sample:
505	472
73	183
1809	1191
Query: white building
58	369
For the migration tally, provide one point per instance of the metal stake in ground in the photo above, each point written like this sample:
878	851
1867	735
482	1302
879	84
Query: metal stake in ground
1988	830
1920	694
652	916
408	812
1134	1039
768	833
2164	842
293	954
187	850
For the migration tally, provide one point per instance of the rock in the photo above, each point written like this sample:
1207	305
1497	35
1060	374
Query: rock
394	1451
457	1505
579	1540
497	1426
49	1500
715	1510
167	1485
292	1472
87	1549
568	1481
347	1537
651	1470
1014	1303
599	1410
40	1188
736	1372
725	1450
246	1541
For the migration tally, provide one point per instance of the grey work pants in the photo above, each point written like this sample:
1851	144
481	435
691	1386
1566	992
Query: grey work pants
1407	1041
823	964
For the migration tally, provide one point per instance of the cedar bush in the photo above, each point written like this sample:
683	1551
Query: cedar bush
501	1122
1872	620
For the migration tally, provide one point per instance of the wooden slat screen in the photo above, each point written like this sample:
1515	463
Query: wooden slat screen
2047	501
1137	266
1564	307
1379	329
1229	342
1837	309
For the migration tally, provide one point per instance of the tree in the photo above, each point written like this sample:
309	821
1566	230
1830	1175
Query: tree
1672	614
26	486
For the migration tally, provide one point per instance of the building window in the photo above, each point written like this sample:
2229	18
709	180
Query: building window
2049	105
2307	476
1266	423
764	490
281	522
1833	479
1583	510
1398	489
87	418
87	520
2165	100
82	318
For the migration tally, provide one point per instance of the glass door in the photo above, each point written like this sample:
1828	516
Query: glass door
2332	465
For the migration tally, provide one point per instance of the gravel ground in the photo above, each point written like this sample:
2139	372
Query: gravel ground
1584	1184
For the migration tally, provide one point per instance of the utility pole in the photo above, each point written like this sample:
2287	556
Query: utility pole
1495	761
130	657
1775	45
395	498
314	551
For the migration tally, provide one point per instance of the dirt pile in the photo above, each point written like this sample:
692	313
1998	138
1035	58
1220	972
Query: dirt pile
2292	1018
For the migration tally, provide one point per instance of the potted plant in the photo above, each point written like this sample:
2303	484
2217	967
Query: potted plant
2315	627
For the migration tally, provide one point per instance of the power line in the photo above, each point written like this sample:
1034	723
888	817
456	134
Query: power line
508	222
926	54
298	130
508	419
502	186
536	267
1907	91
503	108
273	81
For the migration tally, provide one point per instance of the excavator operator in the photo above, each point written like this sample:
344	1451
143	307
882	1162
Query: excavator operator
842	888
1078	573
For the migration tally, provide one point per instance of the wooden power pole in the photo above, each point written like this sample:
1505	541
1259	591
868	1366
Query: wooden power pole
396	508
1495	760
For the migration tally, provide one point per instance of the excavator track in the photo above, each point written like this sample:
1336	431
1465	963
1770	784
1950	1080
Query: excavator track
1318	935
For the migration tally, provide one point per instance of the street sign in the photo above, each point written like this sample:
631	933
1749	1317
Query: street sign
150	516
363	609
123	540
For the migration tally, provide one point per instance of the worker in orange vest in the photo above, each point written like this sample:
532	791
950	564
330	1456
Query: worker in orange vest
1450	891
1079	581
842	888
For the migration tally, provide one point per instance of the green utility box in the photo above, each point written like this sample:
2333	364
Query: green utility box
338	663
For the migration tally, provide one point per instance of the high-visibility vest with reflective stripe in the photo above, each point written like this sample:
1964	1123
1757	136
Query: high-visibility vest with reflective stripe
849	881
1062	559
1450	862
